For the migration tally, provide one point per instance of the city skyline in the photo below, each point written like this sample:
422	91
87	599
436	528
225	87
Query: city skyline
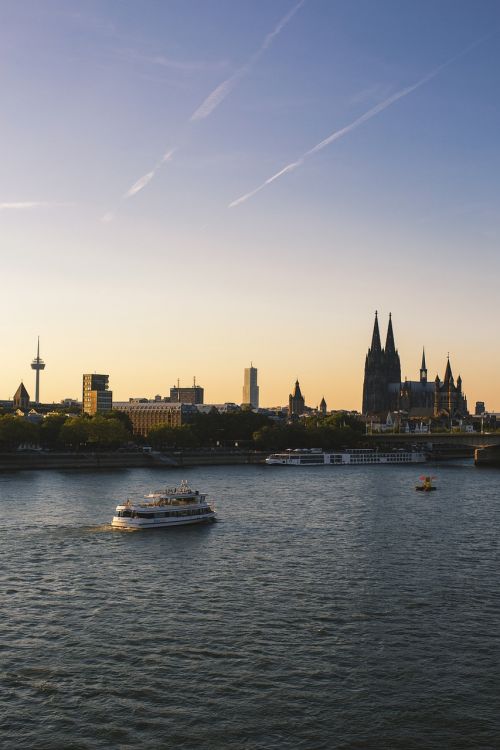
406	373
209	183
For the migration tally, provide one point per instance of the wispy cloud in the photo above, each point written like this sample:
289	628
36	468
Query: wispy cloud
23	205
373	93
184	66
146	179
222	90
372	112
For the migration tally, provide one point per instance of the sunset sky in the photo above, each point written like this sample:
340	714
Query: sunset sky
191	185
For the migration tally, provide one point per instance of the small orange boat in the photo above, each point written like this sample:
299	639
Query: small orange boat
426	485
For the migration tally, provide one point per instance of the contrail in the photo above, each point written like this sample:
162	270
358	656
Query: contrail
20	205
222	90
143	181
372	112
211	102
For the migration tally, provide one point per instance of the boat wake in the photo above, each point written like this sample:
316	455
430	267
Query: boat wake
104	528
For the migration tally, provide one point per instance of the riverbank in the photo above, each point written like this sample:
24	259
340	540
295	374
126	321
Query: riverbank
58	460
40	460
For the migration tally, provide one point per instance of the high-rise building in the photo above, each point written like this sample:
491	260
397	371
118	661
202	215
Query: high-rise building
191	395
250	387
96	396
37	365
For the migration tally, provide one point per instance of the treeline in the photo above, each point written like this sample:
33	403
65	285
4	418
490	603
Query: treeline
210	431
244	429
256	431
328	433
66	433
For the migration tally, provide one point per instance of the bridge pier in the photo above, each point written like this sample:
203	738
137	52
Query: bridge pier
489	456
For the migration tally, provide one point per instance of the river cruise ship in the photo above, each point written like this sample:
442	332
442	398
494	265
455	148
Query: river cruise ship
355	457
177	506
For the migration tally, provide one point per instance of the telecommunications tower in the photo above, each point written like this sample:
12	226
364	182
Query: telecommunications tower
37	365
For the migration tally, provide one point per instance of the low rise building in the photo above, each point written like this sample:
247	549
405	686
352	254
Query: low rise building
221	408
147	415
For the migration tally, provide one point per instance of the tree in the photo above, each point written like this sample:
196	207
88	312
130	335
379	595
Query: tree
122	417
106	432
17	430
162	437
74	433
50	430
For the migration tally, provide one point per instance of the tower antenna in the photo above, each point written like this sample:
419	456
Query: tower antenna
37	365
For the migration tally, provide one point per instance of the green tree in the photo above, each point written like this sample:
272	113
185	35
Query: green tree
50	429
74	433
17	430
106	432
162	437
122	417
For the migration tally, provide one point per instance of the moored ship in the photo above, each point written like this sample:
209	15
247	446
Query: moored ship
354	457
176	506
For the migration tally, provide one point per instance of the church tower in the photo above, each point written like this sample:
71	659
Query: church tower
423	369
375	394
392	363
21	398
296	402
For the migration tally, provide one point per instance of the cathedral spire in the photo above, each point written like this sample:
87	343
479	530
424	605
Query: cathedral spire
423	368
376	345
448	375
390	347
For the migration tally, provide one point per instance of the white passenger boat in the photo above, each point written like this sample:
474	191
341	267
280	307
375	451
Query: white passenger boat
355	457
176	506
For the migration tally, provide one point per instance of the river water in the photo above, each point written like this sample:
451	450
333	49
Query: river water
328	608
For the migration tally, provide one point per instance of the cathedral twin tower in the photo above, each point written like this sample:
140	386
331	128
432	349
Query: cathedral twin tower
382	367
383	390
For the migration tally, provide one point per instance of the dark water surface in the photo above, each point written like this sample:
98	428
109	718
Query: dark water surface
329	608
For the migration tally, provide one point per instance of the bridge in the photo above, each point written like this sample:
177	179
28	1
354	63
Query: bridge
459	439
484	446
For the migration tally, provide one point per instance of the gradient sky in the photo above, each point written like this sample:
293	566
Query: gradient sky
128	129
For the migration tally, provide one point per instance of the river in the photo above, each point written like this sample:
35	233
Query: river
327	608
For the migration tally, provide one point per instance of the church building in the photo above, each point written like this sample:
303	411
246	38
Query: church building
296	402
383	390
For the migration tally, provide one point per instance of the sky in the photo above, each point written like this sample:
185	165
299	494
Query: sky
191	185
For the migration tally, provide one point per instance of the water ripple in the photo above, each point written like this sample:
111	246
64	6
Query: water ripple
327	609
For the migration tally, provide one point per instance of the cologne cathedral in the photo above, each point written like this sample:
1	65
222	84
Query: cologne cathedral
383	390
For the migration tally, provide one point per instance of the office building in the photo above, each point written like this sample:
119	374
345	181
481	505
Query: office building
250	387
191	395
96	396
149	414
